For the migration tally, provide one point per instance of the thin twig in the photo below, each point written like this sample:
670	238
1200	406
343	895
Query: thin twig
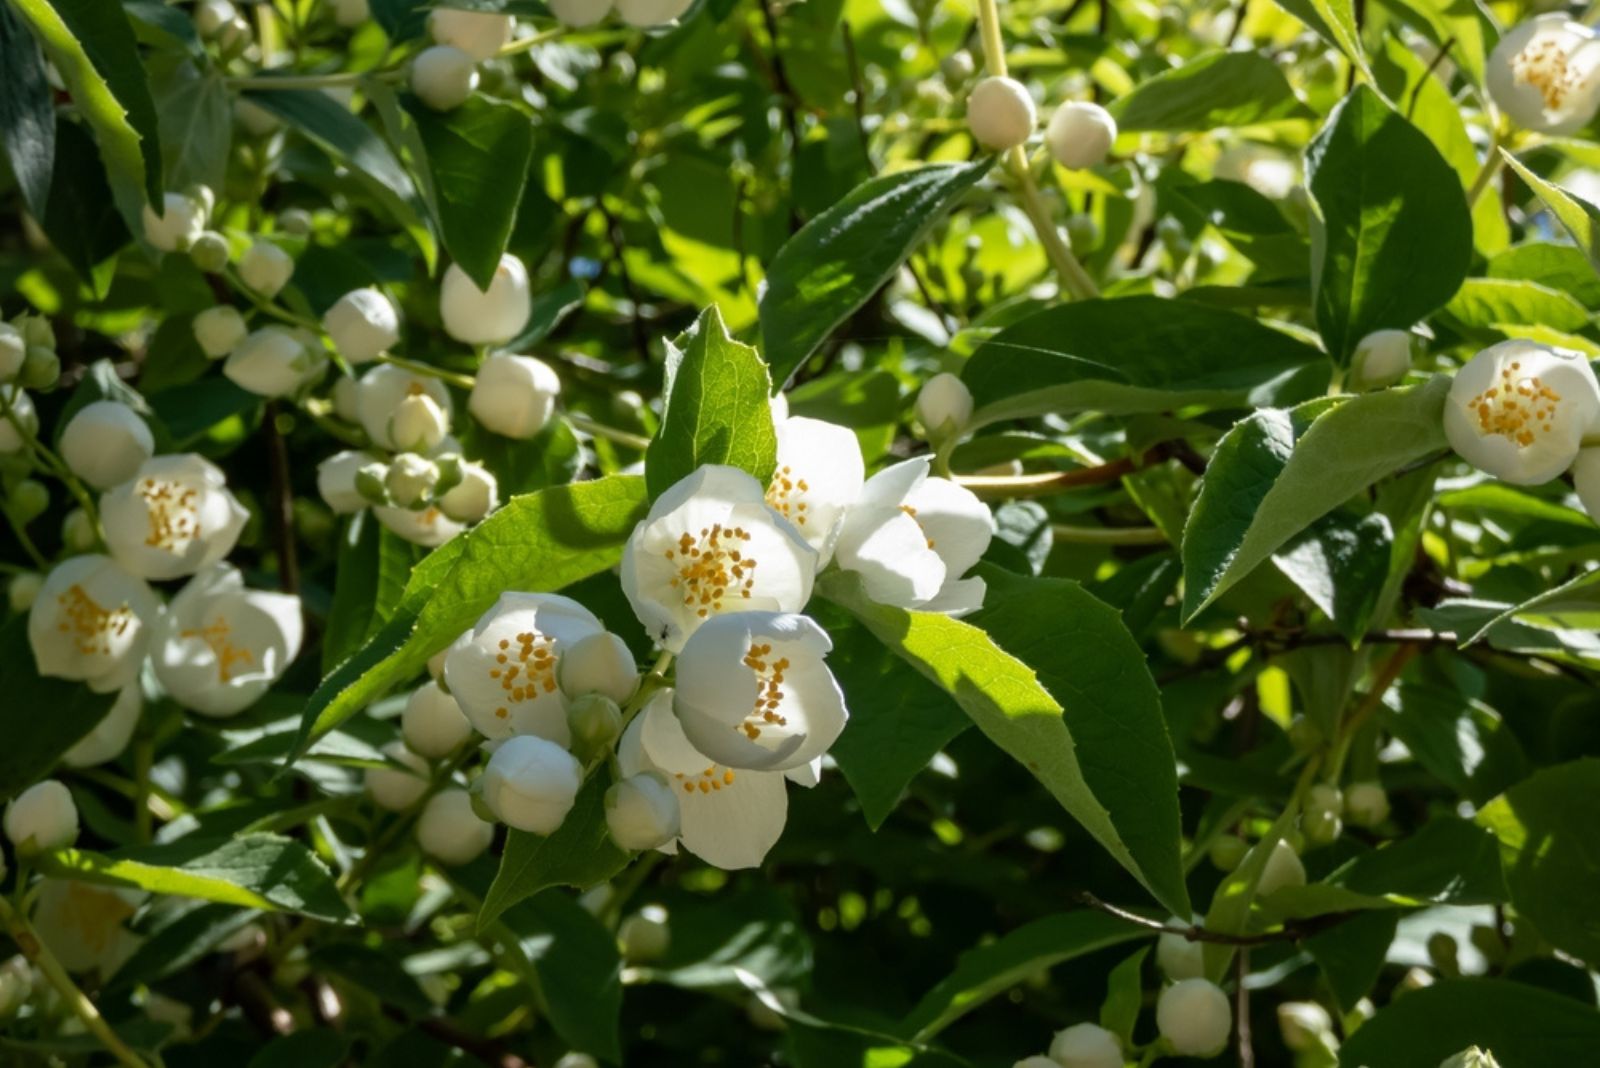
1289	932
1038	485
1241	1011
282	502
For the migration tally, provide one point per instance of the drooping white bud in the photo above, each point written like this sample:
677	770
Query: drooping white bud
944	405
42	819
210	252
13	351
393	788
642	812
443	77
1283	869
175	229
486	317
336	481
601	663
1303	1025
480	34
531	783
1366	804
361	324
266	268
1195	1018
432	723
1086	1045
450	831
219	330
1381	359
514	396
275	362
1178	957
1000	113
105	442
22	413
1080	134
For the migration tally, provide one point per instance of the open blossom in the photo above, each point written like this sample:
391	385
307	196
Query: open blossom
913	536
85	926
175	517
105	442
220	646
504	675
712	544
1519	410
1545	74
754	692
381	393
111	735
818	478
92	620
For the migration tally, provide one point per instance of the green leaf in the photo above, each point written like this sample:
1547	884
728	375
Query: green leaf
1137	354
478	156
717	409
839	259
1524	1026
355	589
1461	742
1351	954
1546	827
1394	239
1336	22
1277	472
178	937
1492	303
1564	268
578	968
27	112
80	214
196	115
1580	218
316	1048
258	871
1119	1013
1340	563
1005	698
1220	89
34	741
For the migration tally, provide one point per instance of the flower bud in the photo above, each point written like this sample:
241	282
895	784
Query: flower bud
266	268
1080	134
450	467
296	221
234	37
1227	851
1283	869
599	663
486	317
13	350
210	252
1381	359
1365	804
1194	1017
178	225
531	783
346	397
1086	1045
77	531
432	723
350	13
645	935
23	590
642	812
1000	113
211	15
1303	1025
1178	957
1038	1060
42	819
381	392
23	412
443	77
579	13
336	481
418	423
411	479
41	368
595	723
1083	233
274	362
479	34
1443	954
393	788
28	500
361	324
577	1060
219	330
474	495
514	396
450	831
648	13
105	442
958	66
1321	826
36	330
16	979
944	406
257	120
372	483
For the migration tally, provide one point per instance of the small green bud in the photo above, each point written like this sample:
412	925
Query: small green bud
1083	233
295	221
41	369
596	723
77	531
1442	952
1321	826
1304	735
36	330
371	483
28	500
1227	852
209	252
450	471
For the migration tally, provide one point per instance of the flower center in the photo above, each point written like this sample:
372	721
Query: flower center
713	778
525	667
90	626
230	657
1543	65
711	567
769	691
174	519
1516	406
785	495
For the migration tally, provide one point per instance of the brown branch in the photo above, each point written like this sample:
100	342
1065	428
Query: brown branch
1038	485
1289	932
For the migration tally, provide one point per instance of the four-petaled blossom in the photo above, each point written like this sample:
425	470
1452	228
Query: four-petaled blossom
754	693
913	536
504	675
818	478
220	646
382	391
174	518
91	620
1545	74
712	544
1519	410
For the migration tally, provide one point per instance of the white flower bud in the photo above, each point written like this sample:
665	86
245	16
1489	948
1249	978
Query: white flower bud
1381	359
381	392
23	412
1283	869
13	350
1086	1045
346	399
77	531
42	819
1000	113
1365	804
105	442
336	481
432	723
443	77
473	497
1080	134
958	66
514	396
486	317
1303	1025
411	479
210	252
449	830
1324	797
944	405
645	935
647	13
1544	74
642	812
211	15
23	589
479	34
179	223
1227	851
361	324
1519	410
257	120
531	783
1178	957
418	423
579	13
275	362
1194	1017
594	723
219	330
350	13
111	735
600	663
394	789
266	268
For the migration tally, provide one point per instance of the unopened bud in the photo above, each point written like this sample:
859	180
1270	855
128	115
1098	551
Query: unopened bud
1471	1058
219	330
443	77
266	268
42	819
296	221
1195	1018
13	350
531	783
28	500
944	406
642	812
1080	134
411	479
1000	113
450	831
598	664
396	789
41	368
1178	957
1283	869
1366	804
77	531
371	483
36	330
1304	1025
1381	359
474	495
645	936
1227	851
210	252
23	590
595	722
432	723
1086	1045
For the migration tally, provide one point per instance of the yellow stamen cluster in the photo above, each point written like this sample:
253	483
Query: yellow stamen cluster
769	691
526	670
783	493
90	626
1543	65
174	519
230	657
706	781
712	567
1516	407
912	512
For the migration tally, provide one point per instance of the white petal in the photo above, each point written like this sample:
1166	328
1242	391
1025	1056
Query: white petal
891	553
957	598
736	826
958	525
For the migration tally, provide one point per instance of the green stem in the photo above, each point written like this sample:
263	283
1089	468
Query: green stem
143	757
610	433
312	81
529	43
1491	167
1108	535
267	307
460	381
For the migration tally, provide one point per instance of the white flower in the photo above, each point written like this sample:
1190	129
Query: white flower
432	723
418	423
351	13
754	692
274	362
21	409
711	544
429	527
1000	113
220	646
1080	134
647	13
579	13
266	268
411	479
179	223
1519	411
1194	1017
1365	804
175	517
1381	359
84	925
1545	74
504	675
1303	1023
599	663
913	536
398	788
642	812
818	478
336	481
443	77
383	389
479	34
944	405
92	621
361	324
1179	958
1086	1045
219	330
105	442
727	818
531	783
1283	869
472	498
486	317
42	819
13	351
449	831
111	735
514	395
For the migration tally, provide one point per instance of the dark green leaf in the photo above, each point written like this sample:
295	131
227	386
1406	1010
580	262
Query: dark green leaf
80	215
1220	89
1524	1026
27	113
196	116
317	1048
579	970
1463	743
35	740
1340	562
